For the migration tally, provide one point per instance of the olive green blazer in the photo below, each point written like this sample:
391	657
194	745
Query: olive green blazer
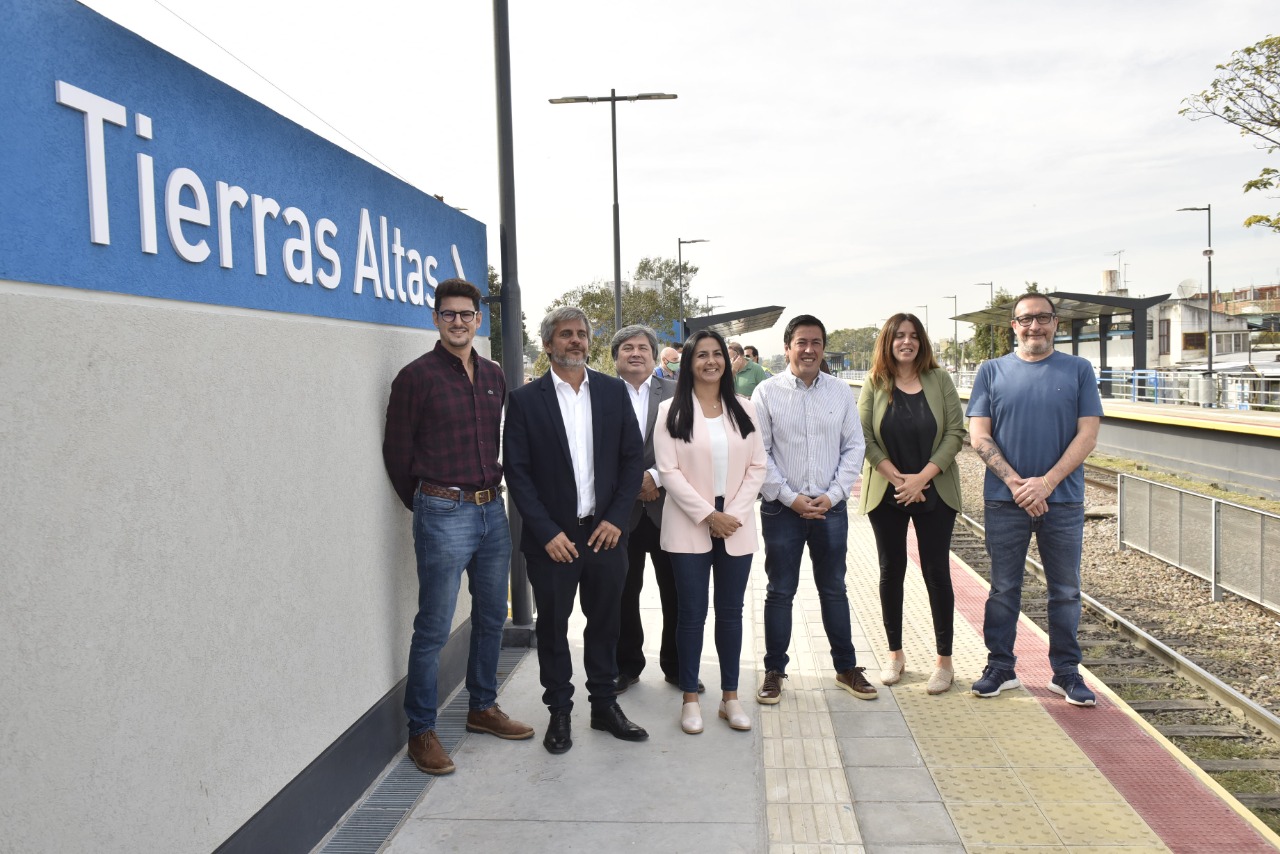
940	394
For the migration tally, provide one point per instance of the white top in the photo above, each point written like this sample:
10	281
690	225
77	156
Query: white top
719	453
575	409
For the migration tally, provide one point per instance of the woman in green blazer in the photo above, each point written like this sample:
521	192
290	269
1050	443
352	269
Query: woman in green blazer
914	427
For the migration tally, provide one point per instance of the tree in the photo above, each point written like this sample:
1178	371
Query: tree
658	308
495	319
981	344
1246	94
859	344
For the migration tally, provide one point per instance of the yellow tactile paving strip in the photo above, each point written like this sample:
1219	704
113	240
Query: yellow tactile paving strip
952	772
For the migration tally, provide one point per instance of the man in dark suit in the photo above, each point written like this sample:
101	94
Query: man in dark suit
574	460
633	349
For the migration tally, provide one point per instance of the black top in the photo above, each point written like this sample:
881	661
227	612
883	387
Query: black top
907	431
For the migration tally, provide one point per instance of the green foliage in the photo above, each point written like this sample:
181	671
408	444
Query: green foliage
1246	94
654	308
859	344
981	344
494	310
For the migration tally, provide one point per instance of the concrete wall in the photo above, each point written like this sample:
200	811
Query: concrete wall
206	575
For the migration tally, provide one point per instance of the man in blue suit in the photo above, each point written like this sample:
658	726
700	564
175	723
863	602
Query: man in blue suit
574	461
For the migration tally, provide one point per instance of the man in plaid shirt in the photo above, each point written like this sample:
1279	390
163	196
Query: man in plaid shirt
441	453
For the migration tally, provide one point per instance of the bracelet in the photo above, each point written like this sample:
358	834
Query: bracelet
1045	481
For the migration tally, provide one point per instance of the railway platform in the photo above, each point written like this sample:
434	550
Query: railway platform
825	772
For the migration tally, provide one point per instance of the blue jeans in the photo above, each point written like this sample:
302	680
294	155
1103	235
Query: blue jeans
1060	536
449	537
785	536
693	573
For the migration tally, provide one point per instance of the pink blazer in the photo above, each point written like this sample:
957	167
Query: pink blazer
685	469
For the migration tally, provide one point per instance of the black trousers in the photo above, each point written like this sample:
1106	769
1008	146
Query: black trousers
933	537
644	540
598	577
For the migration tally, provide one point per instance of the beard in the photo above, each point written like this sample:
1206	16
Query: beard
568	360
1036	346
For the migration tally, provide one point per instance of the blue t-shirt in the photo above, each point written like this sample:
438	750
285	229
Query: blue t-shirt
1033	407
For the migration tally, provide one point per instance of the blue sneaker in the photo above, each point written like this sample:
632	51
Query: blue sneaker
1071	686
994	680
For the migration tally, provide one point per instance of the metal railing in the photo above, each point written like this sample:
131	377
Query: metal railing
1192	388
1234	548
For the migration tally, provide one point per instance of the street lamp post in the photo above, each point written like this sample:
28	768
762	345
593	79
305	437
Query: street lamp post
1208	254
992	346
955	330
613	98
926	322
681	243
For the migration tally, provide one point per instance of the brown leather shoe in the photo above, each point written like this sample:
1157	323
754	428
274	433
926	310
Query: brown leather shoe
428	755
855	682
496	722
771	691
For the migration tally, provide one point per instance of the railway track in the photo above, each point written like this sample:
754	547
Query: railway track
1227	734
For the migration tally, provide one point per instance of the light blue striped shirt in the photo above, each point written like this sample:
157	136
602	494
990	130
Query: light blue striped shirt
812	437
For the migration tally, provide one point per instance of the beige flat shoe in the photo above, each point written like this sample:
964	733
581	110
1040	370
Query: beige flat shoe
940	681
731	711
691	718
893	673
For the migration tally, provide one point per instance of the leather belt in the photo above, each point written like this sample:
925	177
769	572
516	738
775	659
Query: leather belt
483	496
585	521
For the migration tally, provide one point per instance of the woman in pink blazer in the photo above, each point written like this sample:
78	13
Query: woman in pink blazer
711	459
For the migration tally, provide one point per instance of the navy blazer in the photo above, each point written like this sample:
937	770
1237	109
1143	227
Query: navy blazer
539	469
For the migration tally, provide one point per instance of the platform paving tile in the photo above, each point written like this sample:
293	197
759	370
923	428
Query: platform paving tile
891	784
896	823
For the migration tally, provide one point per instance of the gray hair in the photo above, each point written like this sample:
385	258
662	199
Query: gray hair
635	330
735	347
559	315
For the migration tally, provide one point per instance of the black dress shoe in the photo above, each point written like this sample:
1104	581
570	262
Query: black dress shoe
557	739
625	681
702	689
612	720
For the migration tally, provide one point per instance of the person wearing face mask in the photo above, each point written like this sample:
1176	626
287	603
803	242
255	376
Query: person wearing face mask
668	364
914	427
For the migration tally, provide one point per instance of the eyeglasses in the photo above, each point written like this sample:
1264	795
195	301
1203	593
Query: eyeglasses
448	316
1028	319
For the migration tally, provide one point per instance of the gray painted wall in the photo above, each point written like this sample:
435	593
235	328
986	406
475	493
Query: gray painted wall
206	576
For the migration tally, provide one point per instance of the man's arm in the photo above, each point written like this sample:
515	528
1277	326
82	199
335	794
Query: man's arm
775	486
517	460
982	441
1086	439
852	447
397	441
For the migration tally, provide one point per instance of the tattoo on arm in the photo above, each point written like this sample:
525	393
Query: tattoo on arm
995	461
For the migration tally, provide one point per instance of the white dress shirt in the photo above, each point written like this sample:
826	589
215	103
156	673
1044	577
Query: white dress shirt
575	409
640	403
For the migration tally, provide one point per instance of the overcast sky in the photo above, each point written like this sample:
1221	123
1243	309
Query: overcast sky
844	159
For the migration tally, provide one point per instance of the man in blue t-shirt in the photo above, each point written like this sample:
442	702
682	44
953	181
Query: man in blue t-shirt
1033	418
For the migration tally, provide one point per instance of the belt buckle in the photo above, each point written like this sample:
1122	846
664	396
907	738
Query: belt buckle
487	493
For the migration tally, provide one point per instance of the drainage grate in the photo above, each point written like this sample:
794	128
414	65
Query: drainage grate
375	820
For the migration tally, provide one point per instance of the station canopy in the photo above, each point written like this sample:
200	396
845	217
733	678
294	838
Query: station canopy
734	323
1070	307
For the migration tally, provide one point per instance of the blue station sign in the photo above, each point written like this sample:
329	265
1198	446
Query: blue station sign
125	169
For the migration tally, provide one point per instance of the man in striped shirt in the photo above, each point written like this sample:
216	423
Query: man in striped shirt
813	442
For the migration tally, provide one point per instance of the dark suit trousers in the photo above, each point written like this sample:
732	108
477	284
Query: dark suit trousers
644	540
598	577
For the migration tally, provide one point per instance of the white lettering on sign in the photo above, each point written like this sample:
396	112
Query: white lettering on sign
398	272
